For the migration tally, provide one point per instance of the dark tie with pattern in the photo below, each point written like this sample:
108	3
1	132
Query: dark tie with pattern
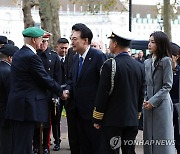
62	60
80	65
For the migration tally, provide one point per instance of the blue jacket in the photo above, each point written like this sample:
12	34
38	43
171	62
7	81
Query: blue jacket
175	87
5	72
84	87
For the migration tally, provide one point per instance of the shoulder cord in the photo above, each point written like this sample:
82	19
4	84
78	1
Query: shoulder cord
113	72
113	75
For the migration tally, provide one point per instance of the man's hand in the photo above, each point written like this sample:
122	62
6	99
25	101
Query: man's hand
97	126
65	95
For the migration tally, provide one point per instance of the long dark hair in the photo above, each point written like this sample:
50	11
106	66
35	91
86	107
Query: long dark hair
163	45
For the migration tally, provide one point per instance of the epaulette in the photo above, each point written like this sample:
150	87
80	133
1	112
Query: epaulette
97	115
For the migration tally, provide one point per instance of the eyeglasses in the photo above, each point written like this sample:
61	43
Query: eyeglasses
43	41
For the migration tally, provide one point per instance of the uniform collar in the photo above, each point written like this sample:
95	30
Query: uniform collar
29	46
46	53
123	53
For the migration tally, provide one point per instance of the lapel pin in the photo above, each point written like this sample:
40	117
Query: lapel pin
89	58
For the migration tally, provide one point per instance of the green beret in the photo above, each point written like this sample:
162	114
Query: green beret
33	32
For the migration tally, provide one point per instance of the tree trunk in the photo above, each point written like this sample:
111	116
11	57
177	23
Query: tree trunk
26	8
49	14
167	18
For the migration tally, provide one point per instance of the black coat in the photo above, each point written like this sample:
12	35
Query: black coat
67	64
5	72
27	99
120	108
52	66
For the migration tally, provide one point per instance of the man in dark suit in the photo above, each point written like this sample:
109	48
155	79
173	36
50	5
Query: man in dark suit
27	102
70	108
85	74
52	66
61	48
119	99
6	53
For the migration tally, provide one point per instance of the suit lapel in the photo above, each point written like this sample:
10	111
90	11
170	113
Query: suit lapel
76	66
85	64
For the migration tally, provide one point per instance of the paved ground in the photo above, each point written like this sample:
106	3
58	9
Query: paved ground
65	146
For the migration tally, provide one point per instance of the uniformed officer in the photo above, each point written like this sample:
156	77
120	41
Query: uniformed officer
52	65
119	97
6	53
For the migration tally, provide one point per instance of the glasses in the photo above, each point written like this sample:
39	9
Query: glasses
43	41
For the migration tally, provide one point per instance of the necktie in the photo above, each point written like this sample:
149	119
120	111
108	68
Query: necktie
62	60
80	65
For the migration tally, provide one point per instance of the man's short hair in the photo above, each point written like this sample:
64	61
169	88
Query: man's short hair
122	42
85	31
62	40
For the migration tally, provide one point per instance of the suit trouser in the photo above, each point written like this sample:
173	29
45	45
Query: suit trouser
22	135
90	138
36	138
72	131
5	139
55	121
112	136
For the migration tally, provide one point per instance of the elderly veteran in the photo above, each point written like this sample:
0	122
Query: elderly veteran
52	65
6	53
27	103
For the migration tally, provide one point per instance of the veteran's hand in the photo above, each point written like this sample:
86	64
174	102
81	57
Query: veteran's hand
65	95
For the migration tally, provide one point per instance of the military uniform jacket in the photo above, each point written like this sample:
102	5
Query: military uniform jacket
52	66
27	99
120	108
5	70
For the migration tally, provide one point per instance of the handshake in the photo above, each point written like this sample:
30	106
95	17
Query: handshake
65	95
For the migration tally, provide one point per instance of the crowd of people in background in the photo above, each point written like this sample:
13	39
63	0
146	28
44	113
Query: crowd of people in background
106	94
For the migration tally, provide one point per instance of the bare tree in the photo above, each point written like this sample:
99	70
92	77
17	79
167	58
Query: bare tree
26	8
167	11
49	14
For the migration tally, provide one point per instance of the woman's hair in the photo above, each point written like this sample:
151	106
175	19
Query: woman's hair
163	45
